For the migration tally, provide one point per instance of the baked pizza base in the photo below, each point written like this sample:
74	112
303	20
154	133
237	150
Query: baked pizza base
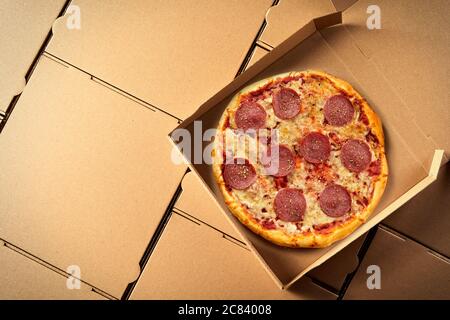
309	239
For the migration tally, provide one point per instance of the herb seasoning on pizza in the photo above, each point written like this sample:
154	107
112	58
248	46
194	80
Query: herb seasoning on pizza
320	178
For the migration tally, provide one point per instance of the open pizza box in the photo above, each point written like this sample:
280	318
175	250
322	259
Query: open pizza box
415	134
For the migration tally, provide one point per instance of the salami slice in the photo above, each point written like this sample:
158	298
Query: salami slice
315	147
239	175
335	201
286	103
281	163
290	204
355	155
338	110
250	115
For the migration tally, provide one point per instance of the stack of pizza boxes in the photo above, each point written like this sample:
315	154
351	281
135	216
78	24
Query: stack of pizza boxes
96	204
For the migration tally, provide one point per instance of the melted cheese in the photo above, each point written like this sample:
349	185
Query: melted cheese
259	197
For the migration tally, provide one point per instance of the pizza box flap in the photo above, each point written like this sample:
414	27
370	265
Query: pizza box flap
285	18
407	270
194	204
413	166
171	54
426	218
24	25
80	167
195	261
25	279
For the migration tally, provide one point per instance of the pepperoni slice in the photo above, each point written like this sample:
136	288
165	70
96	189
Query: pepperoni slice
355	155
290	204
335	201
338	110
239	175
280	164
286	103
315	147
250	115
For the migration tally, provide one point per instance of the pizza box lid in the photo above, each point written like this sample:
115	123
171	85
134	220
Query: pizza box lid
192	260
79	170
23	278
24	25
413	160
170	54
396	267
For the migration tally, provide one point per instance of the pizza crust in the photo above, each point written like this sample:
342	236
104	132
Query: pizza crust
310	239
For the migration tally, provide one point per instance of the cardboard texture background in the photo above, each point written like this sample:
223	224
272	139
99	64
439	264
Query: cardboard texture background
108	103
80	163
408	271
23	278
426	218
167	55
197	262
23	33
408	155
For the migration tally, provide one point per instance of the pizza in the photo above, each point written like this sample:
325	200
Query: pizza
300	159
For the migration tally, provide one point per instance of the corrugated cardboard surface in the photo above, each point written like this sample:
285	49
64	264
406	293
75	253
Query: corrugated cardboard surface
408	271
194	201
172	54
193	261
257	54
290	15
23	278
426	218
80	167
24	25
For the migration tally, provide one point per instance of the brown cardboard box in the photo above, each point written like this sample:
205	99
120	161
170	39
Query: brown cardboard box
290	15
195	203
171	54
408	270
257	54
80	167
426	218
24	278
198	262
411	152
25	25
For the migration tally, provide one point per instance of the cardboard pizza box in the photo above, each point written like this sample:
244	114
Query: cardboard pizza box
25	25
171	54
21	277
86	175
414	156
290	15
195	203
257	54
426	218
195	261
399	268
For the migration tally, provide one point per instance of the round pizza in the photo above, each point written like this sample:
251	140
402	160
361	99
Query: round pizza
300	159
